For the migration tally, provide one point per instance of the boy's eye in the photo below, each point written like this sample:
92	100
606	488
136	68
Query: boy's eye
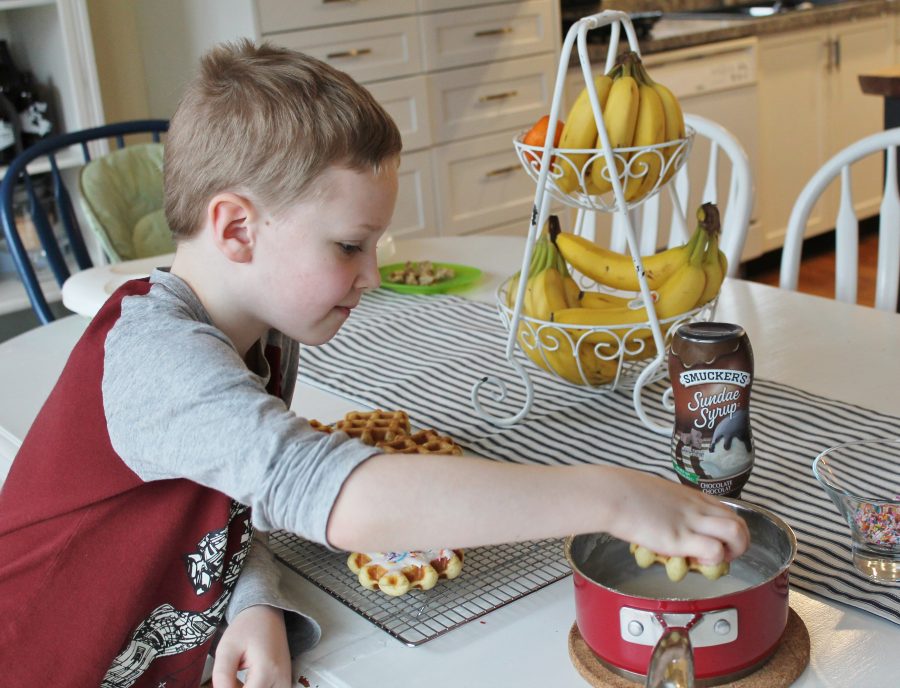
350	248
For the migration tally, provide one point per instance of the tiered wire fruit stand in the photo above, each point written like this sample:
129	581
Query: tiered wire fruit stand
604	359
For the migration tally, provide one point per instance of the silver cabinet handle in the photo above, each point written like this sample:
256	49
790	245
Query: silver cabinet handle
837	53
829	49
354	52
493	32
501	171
498	96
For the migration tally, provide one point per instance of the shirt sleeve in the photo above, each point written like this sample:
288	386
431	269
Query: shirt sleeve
181	403
260	582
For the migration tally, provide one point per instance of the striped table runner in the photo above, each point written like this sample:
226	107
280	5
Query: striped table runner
423	354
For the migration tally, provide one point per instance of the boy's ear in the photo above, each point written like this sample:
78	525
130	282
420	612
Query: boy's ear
232	221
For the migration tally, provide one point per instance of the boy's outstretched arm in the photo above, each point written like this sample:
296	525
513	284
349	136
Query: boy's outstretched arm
397	502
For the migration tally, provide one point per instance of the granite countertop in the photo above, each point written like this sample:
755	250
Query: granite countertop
671	33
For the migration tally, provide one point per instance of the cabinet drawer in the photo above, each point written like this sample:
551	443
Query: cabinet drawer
480	184
486	34
406	100
439	5
286	15
369	51
492	97
415	214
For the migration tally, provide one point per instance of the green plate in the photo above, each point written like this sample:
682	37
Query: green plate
464	276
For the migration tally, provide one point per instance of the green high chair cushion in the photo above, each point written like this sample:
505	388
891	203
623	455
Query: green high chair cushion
122	199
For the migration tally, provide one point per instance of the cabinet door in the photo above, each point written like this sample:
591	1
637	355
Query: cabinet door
368	51
278	15
406	100
480	184
792	74
496	96
857	48
486	34
414	214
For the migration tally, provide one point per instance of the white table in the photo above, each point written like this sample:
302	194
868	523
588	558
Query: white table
829	348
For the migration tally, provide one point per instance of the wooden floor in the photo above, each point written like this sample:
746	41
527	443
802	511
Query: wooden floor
817	268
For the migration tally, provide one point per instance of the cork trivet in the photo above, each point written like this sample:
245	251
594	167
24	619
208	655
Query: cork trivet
783	668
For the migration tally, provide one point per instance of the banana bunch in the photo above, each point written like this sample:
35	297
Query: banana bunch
550	288
637	112
683	277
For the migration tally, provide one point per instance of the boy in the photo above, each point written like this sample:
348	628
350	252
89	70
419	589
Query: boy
127	520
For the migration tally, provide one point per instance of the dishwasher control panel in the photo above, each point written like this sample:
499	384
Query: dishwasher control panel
706	69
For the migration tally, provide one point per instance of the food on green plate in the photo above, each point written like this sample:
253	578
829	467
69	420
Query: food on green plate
422	274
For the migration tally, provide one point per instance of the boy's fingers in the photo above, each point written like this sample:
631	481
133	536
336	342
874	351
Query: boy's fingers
225	667
730	533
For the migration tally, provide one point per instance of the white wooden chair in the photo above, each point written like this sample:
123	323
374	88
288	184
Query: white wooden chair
724	168
847	225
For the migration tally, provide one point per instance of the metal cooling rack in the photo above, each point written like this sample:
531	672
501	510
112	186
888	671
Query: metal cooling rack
491	577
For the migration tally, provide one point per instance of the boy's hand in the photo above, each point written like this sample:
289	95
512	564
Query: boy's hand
256	641
675	520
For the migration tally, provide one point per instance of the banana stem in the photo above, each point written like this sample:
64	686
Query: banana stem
553	228
708	217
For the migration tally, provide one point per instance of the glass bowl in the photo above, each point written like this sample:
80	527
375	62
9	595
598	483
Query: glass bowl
863	480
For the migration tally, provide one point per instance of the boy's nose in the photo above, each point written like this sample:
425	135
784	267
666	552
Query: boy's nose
370	277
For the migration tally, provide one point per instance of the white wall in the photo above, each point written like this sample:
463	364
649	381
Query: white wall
173	34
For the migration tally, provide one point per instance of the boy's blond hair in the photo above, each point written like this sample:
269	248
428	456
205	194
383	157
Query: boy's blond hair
267	122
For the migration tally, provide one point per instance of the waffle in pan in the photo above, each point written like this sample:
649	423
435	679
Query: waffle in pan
677	567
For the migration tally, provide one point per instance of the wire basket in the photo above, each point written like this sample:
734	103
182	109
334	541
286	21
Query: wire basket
576	164
606	358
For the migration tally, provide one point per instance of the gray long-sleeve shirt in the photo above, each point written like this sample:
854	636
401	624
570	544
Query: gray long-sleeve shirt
181	403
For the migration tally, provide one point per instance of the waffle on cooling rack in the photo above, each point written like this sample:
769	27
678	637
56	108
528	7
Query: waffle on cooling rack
395	573
390	431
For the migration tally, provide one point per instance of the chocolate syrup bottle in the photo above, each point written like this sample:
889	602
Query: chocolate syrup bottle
711	370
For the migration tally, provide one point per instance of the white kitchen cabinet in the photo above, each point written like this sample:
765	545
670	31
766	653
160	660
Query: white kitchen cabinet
368	51
460	78
811	106
490	97
414	214
52	40
480	185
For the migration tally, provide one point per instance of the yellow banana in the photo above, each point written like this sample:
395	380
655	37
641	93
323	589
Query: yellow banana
678	294
620	118
644	166
546	294
616	269
681	292
600	299
573	291
580	131
553	352
540	256
674	119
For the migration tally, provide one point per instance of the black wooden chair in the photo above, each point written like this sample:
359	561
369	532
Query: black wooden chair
44	158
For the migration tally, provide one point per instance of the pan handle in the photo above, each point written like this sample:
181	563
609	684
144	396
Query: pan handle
672	661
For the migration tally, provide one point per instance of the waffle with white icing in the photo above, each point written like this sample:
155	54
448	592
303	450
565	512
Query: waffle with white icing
396	573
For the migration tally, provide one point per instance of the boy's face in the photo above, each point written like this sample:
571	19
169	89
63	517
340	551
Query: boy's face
316	258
